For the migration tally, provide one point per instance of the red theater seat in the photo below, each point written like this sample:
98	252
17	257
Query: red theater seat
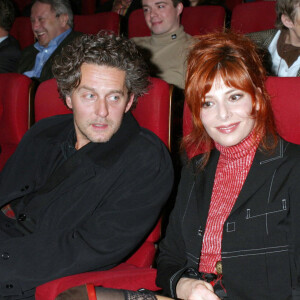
152	112
22	31
93	23
15	96
195	20
253	16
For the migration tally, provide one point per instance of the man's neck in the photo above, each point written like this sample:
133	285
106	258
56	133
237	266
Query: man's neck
292	38
3	32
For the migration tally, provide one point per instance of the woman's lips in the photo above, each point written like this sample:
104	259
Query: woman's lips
228	128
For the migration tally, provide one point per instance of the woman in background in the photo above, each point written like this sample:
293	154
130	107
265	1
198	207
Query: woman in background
234	232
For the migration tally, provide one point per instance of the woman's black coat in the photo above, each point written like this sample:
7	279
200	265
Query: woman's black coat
261	236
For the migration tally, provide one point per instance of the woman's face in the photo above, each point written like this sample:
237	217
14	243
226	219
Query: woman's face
225	114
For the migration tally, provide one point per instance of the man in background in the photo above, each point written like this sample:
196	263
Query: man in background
52	22
167	47
9	46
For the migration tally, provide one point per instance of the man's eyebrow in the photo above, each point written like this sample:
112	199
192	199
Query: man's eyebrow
85	87
88	88
156	3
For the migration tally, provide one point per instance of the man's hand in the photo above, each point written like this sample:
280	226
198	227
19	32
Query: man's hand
194	289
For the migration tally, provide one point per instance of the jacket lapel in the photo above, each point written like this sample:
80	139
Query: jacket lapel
262	168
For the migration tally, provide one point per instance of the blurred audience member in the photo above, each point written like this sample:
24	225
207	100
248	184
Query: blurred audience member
282	45
9	46
52	22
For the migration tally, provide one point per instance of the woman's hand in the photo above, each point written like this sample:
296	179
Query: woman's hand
194	289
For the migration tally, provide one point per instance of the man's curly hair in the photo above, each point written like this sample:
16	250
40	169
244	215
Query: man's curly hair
104	49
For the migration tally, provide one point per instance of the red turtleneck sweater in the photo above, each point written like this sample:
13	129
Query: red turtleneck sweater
233	167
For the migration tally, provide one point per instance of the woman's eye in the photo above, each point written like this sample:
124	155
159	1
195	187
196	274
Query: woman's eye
207	104
235	97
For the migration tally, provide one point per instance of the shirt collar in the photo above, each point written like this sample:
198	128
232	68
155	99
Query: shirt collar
54	42
3	38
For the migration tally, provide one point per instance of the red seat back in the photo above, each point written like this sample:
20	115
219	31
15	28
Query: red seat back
88	7
203	19
22	31
152	112
195	20
15	95
92	24
253	16
285	99
47	102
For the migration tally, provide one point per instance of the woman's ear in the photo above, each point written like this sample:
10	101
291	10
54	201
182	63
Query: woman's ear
257	105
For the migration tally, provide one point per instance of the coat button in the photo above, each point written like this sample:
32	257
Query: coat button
9	286
5	255
219	267
22	217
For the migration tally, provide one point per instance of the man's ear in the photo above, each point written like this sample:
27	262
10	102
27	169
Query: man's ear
64	18
286	21
179	8
69	102
129	103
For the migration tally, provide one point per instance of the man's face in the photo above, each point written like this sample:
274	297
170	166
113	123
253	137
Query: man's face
98	103
293	26
46	25
161	16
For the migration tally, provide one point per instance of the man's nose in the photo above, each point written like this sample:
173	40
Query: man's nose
35	24
101	108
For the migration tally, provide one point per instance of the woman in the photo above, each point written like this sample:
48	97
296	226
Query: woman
234	231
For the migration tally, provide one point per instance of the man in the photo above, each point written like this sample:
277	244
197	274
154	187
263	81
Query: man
168	45
86	188
9	46
282	45
52	22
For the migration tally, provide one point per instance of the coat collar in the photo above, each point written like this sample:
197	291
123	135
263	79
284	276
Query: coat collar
264	164
104	154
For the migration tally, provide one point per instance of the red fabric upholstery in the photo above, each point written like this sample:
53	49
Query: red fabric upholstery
14	112
284	93
21	4
88	7
195	20
22	31
121	277
253	16
203	19
152	112
94	23
47	102
230	4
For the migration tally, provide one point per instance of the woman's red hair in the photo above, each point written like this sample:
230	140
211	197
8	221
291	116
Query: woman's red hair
232	57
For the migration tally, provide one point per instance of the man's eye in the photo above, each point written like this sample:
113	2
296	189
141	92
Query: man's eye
145	10
161	6
89	96
114	98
